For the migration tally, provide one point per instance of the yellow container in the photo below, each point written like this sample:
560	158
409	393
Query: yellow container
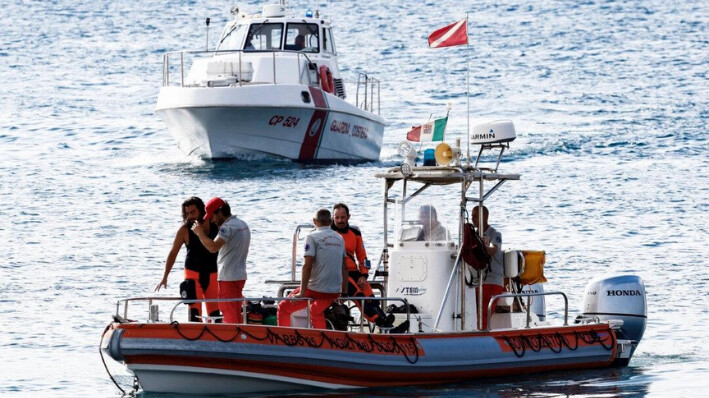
533	267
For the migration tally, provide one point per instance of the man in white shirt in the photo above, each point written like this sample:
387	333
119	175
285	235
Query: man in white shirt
232	243
324	276
493	281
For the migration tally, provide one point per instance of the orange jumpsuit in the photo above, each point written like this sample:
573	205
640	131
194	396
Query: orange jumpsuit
354	247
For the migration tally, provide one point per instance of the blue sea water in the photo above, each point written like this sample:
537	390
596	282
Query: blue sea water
610	100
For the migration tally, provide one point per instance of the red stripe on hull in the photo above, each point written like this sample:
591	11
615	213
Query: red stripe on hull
318	97
316	127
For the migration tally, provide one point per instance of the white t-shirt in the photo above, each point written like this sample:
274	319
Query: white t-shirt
232	256
328	249
496	274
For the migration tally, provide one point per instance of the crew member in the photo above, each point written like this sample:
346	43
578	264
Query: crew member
232	243
200	264
357	285
324	276
299	42
432	229
493	280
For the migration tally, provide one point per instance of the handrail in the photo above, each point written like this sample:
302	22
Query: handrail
166	62
243	307
370	85
504	295
371	99
296	238
248	299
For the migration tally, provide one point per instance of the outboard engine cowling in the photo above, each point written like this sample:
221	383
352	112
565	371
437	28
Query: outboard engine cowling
619	297
537	303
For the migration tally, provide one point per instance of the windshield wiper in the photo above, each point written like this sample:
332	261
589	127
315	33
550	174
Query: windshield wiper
233	28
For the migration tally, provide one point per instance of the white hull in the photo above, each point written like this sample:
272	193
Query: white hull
196	380
273	120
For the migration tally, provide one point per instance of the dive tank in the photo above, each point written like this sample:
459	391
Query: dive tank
618	297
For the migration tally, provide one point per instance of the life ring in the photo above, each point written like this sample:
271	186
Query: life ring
326	82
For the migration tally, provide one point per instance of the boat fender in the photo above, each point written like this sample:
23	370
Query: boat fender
326	81
188	290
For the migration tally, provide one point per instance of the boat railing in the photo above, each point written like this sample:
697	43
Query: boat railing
491	304
303	67
370	99
294	262
153	310
296	238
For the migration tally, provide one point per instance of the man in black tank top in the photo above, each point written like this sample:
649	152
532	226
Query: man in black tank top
200	264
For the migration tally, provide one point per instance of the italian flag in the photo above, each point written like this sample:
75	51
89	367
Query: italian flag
431	131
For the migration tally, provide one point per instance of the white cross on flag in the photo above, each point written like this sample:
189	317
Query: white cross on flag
454	34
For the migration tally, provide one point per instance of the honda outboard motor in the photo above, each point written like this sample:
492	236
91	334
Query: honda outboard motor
619	297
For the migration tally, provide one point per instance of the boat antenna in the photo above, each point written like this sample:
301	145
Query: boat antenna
207	46
467	86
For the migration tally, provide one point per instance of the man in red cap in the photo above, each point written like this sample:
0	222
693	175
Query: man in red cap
232	243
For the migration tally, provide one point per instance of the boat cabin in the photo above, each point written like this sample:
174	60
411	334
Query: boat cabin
274	31
271	48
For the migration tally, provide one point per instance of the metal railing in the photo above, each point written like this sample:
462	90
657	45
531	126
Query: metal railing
294	282
529	318
370	92
245	301
301	70
368	87
296	238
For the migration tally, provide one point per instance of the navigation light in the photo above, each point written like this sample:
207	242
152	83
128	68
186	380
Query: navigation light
407	150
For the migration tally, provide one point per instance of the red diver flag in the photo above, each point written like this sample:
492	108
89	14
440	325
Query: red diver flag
454	34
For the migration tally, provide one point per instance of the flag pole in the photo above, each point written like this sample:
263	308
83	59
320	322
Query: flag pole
467	86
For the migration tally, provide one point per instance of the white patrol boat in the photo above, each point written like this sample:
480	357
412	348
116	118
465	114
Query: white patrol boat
271	87
428	272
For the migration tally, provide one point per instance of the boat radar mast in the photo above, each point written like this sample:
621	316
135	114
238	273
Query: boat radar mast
490	135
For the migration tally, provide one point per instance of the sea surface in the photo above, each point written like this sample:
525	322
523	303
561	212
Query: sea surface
610	100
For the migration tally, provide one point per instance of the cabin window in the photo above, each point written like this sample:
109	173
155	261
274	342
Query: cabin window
328	42
232	38
302	37
264	37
